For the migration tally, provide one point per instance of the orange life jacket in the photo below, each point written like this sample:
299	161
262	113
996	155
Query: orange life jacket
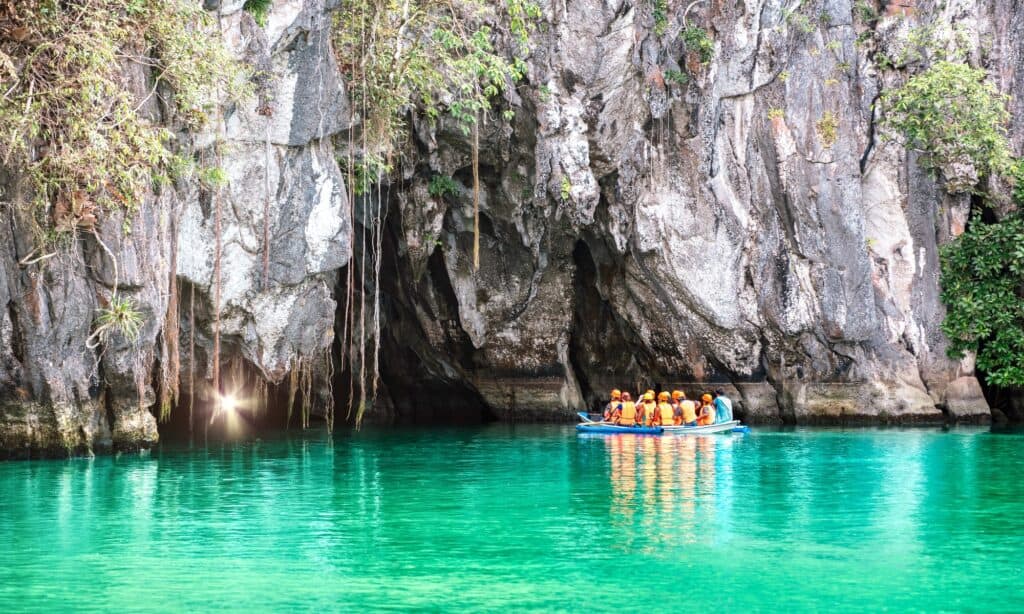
707	416
627	415
666	415
648	411
689	411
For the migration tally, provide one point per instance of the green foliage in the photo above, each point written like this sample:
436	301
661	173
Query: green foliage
952	114
697	40
801	22
433	57
119	316
676	76
827	127
367	172
441	185
660	13
545	93
784	76
776	113
865	11
69	125
566	188
982	279
259	9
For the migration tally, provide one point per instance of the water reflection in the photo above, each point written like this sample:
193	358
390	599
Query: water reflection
656	485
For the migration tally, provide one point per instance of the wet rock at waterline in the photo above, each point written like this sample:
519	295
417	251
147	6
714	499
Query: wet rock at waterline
745	227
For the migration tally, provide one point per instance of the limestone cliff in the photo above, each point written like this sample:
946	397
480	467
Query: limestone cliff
647	219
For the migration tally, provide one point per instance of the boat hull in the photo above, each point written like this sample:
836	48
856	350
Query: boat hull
595	427
723	427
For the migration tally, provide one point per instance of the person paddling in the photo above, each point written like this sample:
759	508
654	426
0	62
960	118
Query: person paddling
647	408
664	415
707	411
625	413
616	400
688	409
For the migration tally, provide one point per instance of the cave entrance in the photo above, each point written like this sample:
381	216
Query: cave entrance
425	378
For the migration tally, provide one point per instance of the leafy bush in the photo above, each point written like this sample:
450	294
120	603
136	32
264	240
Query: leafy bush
441	185
952	114
982	280
660	14
827	128
119	316
67	121
697	40
676	76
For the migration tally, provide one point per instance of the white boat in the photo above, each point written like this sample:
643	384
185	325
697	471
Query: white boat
722	427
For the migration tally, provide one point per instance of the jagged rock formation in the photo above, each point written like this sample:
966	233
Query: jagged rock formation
647	219
748	227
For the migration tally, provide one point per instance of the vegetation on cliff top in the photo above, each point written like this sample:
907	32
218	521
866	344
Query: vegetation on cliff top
70	123
956	117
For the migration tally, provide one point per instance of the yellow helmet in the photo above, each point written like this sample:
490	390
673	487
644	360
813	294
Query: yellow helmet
648	396
616	394
706	398
663	396
678	394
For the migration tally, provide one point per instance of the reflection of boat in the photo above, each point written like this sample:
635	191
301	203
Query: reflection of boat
607	427
591	425
723	427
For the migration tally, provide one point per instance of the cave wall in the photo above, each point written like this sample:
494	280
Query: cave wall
641	232
636	232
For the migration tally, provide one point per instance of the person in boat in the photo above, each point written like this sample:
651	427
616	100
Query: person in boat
665	414
648	408
609	409
688	410
723	407
706	414
677	396
625	414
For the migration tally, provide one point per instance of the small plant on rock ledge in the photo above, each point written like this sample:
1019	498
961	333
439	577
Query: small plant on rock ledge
827	128
698	41
565	191
120	316
441	186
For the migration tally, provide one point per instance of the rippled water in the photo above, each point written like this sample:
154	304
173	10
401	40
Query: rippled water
529	517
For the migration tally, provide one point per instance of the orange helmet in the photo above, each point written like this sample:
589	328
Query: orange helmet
616	395
663	396
678	394
648	396
706	398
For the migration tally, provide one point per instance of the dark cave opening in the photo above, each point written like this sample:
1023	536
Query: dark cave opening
424	379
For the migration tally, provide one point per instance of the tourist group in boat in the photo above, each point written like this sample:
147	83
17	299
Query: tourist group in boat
668	410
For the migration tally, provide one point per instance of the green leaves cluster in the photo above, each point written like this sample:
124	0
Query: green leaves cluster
983	290
697	40
430	57
68	121
952	113
442	185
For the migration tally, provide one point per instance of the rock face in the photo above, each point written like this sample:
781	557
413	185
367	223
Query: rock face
59	396
652	220
648	219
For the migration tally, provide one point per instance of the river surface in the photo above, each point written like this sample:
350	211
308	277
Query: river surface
524	517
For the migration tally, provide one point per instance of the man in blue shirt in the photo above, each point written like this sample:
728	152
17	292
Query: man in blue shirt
723	407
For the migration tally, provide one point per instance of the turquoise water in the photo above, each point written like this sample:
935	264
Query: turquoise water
530	517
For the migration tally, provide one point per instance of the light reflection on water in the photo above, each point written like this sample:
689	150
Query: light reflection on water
523	517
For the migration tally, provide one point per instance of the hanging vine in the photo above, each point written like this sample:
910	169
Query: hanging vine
425	58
